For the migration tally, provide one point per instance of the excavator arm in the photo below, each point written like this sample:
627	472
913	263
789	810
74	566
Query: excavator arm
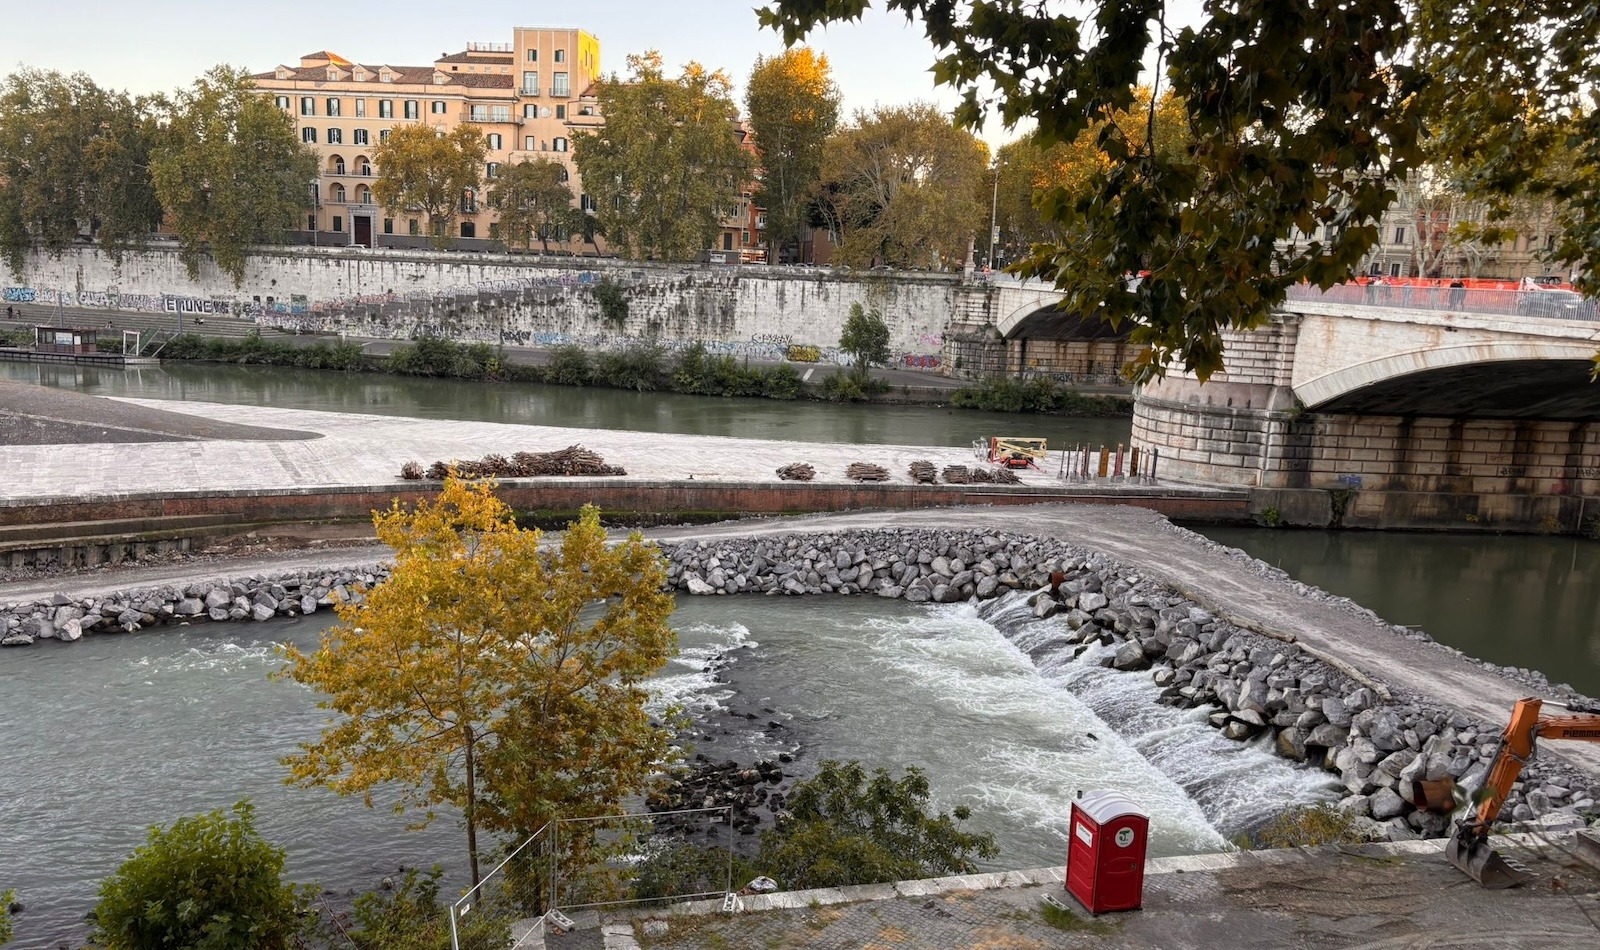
1469	847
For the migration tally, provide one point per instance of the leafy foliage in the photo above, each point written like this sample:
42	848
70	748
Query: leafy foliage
568	366
662	169
6	897
438	356
534	200
1300	111
1307	826
613	300
74	158
411	917
208	881
904	187
1040	394
793	107
492	675
255	348
229	170
846	827
640	368
419	168
865	337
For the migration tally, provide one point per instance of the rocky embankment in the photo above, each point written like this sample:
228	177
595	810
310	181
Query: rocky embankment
1391	753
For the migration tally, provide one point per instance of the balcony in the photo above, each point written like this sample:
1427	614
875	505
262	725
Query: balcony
529	90
490	117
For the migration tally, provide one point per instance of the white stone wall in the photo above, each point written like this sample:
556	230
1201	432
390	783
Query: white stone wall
515	300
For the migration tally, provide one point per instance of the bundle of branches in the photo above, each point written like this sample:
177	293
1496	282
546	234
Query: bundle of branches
1005	476
411	471
573	460
867	472
797	472
956	474
923	473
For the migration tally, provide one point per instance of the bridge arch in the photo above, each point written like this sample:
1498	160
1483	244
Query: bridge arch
1546	379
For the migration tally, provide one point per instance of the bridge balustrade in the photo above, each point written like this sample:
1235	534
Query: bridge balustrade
1438	295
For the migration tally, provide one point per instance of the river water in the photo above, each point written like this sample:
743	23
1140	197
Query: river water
115	733
573	406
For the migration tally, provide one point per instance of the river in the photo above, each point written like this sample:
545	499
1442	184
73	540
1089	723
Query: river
115	733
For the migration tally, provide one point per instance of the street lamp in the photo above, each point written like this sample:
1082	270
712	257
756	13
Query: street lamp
994	209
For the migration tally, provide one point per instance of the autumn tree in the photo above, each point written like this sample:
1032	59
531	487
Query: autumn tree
903	186
489	673
74	159
1303	113
793	106
206	881
534	201
668	164
229	170
434	172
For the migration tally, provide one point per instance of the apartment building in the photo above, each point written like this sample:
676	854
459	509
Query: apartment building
522	95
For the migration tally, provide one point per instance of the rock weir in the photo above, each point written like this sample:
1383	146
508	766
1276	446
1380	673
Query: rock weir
1385	750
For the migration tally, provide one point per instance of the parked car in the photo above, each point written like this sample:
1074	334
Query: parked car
1557	304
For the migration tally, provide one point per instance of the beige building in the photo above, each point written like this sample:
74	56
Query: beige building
523	95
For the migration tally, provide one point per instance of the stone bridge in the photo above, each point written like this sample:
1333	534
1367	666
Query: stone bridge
1367	415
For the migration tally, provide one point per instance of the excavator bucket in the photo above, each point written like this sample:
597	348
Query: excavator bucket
1479	861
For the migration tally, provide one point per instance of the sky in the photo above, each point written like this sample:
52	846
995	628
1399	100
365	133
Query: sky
160	45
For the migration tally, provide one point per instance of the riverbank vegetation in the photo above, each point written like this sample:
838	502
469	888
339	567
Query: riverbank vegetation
644	367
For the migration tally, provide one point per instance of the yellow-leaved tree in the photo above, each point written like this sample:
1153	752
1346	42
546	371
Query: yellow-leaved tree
492	672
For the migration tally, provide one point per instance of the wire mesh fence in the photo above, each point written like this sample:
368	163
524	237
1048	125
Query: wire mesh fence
574	864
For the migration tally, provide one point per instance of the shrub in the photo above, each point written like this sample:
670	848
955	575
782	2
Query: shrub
568	366
410	917
1306	826
613	300
842	386
674	868
426	356
6	897
848	828
638	368
692	373
782	382
207	881
1040	394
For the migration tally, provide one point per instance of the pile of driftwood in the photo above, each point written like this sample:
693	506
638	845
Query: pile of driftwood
573	460
923	473
867	472
797	472
962	475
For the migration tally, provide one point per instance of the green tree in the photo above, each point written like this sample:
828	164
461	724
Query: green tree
903	187
865	337
845	827
668	163
6	897
74	159
793	105
534	201
1303	113
229	170
208	881
489	674
438	174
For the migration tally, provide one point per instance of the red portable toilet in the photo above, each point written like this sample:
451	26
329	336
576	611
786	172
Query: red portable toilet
1105	860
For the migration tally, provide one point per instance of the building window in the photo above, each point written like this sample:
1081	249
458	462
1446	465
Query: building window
336	195
360	137
383	135
491	170
585	203
413	109
495	141
533	56
530	112
565	175
530	83
361	108
558	85
335	137
561	112
561	56
363	167
283	103
308	135
469	229
469	202
388	225
436	107
308	105
529	143
1399	235
311	222
559	145
411	227
333	107
385	108
744	238
1394	270
338	165
338	223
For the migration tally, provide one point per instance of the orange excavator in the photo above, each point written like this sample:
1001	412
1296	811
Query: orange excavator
1469	847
